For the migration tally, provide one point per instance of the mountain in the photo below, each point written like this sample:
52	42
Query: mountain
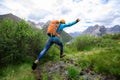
44	27
113	30
32	24
65	36
9	16
101	30
75	34
16	19
95	31
41	24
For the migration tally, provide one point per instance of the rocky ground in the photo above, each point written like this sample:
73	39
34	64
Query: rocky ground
60	68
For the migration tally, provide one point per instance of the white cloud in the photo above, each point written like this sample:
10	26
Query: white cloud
91	12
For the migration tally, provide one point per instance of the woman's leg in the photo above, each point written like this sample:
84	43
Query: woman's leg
58	42
48	45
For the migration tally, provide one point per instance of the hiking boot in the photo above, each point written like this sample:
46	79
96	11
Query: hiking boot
62	55
34	66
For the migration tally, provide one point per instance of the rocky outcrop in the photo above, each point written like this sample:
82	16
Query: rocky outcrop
61	67
95	31
113	30
101	30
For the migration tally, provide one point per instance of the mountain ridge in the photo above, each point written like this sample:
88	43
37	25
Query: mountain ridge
9	16
98	30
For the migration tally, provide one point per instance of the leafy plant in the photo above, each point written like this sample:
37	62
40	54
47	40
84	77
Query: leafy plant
83	43
73	73
18	40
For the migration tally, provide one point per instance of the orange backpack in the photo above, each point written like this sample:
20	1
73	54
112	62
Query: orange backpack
52	28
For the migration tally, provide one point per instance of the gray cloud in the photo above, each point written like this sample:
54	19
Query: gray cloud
3	8
104	1
112	16
64	10
109	19
59	1
41	14
77	1
89	11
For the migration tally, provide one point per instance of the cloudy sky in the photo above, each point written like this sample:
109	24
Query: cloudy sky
91	12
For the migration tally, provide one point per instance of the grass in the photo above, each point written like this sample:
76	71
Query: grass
101	61
100	55
20	72
73	73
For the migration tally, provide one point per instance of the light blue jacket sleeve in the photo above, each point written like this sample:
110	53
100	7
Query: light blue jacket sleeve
62	26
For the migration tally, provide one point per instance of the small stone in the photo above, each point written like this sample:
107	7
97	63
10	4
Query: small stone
92	72
76	64
82	73
87	70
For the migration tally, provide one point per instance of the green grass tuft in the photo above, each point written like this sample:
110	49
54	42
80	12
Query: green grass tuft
20	72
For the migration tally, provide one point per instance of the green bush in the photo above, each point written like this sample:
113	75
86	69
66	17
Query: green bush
19	72
105	62
45	76
112	36
106	43
73	73
84	61
18	40
83	43
104	56
108	62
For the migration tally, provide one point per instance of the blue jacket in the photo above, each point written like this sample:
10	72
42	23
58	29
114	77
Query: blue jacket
61	27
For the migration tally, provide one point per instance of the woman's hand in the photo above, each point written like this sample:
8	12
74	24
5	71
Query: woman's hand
77	20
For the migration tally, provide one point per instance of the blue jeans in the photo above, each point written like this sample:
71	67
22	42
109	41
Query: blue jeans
50	42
